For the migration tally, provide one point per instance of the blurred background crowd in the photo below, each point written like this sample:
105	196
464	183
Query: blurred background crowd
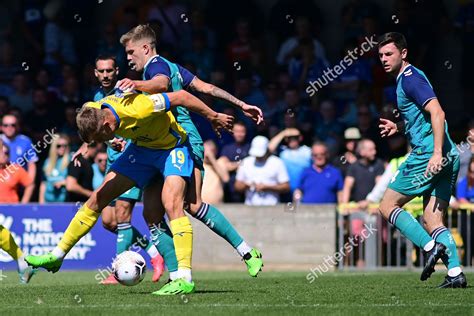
323	148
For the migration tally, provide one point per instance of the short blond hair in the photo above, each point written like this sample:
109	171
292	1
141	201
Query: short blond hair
89	121
139	32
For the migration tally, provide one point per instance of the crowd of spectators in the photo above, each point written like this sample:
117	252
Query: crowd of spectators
323	148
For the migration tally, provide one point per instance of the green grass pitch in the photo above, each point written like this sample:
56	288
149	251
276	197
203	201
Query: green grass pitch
235	293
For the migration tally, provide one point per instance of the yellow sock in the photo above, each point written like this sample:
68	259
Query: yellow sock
79	226
183	241
8	244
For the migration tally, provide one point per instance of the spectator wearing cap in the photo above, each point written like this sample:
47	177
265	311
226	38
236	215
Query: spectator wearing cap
12	177
295	155
351	137
231	156
320	183
262	176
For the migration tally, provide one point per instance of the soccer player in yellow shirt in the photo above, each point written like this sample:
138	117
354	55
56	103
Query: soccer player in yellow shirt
158	147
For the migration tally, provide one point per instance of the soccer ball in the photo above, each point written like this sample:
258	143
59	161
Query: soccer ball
129	268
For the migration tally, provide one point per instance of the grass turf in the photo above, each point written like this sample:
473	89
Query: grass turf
231	293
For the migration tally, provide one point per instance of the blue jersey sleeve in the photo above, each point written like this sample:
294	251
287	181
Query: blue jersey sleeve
417	87
186	75
155	68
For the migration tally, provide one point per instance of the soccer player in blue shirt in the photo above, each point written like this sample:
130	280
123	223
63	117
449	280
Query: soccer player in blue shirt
430	170
161	75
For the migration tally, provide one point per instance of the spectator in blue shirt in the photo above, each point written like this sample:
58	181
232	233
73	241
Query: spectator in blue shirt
53	185
465	187
295	155
22	151
321	183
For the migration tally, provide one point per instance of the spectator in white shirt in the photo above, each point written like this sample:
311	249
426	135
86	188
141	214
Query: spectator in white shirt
262	176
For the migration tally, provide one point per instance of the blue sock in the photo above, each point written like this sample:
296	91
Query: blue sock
442	235
163	239
217	222
409	227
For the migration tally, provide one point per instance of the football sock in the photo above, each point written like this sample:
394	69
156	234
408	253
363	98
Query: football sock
184	273
243	248
183	243
410	228
124	237
140	239
8	244
219	224
163	240
151	250
451	260
173	275
22	265
79	226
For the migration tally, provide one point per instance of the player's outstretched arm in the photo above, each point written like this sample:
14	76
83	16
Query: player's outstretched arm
251	111
189	101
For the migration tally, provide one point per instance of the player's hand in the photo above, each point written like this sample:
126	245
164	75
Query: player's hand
80	152
126	85
222	121
434	165
387	128
118	144
253	112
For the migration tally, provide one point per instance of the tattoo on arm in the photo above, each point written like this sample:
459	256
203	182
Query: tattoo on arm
220	94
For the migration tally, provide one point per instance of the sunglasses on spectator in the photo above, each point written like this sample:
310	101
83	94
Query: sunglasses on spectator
318	155
61	145
9	125
101	160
